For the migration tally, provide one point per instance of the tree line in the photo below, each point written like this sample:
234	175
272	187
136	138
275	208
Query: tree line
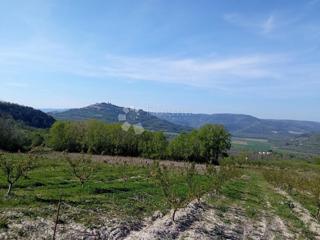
17	137
207	144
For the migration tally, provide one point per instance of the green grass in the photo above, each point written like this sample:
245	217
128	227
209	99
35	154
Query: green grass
251	144
107	191
254	194
130	192
245	192
121	191
280	206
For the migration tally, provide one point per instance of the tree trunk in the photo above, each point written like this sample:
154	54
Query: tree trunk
174	214
57	219
9	189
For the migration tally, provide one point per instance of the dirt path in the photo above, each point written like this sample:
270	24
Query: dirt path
303	214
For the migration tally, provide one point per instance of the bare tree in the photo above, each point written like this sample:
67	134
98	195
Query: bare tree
15	168
57	219
82	168
162	176
195	188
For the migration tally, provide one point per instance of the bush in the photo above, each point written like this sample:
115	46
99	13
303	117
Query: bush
12	136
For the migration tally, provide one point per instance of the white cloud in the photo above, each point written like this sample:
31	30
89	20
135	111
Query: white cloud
264	26
234	73
268	25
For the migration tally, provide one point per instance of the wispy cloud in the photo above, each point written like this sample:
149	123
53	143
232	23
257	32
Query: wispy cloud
233	73
264	25
200	72
268	25
16	84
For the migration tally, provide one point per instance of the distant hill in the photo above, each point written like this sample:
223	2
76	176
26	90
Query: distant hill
26	115
50	110
245	125
112	114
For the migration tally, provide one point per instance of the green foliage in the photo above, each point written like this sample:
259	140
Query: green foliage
153	145
107	139
185	147
66	136
13	137
27	115
104	193
296	183
37	140
215	141
4	223
208	144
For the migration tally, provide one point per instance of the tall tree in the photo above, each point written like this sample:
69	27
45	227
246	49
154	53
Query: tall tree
215	142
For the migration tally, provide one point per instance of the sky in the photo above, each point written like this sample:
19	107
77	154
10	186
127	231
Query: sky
205	56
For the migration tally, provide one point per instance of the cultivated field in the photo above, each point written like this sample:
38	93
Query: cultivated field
134	198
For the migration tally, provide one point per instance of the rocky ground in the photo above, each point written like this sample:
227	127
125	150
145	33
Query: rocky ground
196	221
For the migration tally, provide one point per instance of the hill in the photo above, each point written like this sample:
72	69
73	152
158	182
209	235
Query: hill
112	114
245	125
26	115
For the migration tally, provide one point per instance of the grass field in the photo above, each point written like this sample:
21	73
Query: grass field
127	193
251	144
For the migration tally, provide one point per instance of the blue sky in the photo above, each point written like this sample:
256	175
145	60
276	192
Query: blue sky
250	56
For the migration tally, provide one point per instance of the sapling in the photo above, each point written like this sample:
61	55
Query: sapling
315	188
215	176
14	169
166	183
195	190
57	218
82	168
218	180
210	170
124	171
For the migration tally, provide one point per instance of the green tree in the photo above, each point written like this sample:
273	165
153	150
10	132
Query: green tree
13	137
97	137
179	148
153	145
67	136
215	142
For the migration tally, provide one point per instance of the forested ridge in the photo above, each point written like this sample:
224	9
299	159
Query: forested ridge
27	115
